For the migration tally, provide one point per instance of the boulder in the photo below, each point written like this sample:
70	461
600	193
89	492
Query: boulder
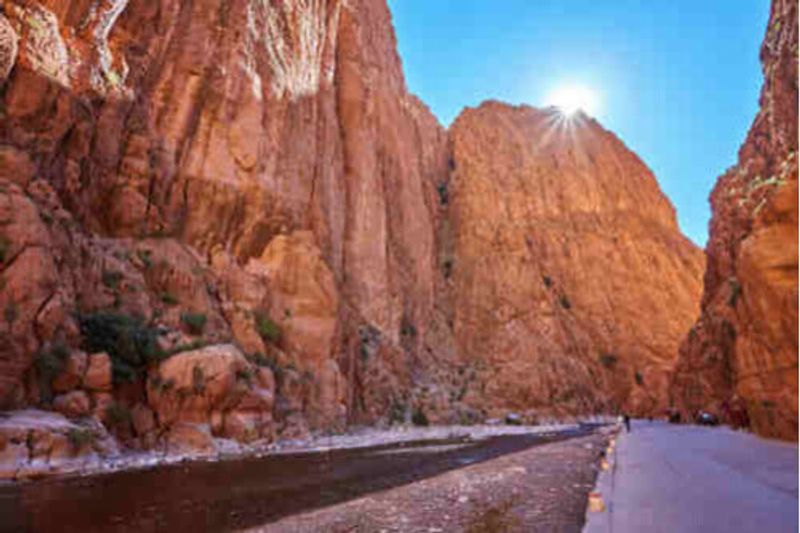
214	387
190	385
188	438
73	404
36	443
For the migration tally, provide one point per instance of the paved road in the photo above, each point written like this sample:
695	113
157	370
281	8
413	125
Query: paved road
667	478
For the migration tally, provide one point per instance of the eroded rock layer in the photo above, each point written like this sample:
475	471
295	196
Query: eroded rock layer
740	358
572	283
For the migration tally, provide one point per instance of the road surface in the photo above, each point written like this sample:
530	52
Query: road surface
676	479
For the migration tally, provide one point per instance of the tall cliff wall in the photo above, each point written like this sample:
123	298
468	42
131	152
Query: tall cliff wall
231	219
740	358
572	282
265	160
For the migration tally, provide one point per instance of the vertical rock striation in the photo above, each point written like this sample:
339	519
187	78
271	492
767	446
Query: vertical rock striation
226	171
572	282
740	359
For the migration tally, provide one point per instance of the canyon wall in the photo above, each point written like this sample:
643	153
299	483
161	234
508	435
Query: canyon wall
572	282
231	219
249	173
740	358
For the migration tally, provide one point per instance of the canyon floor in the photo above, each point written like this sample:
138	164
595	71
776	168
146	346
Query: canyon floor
668	478
443	479
658	477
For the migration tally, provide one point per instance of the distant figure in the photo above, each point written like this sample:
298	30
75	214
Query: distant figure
626	417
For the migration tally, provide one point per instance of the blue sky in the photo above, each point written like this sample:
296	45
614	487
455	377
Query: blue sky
677	80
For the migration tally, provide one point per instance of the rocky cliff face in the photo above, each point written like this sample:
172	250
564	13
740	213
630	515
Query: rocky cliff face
572	283
231	219
194	173
740	359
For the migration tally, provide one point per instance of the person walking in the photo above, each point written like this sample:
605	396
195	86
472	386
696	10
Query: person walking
627	419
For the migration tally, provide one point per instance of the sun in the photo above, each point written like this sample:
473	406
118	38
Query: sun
572	98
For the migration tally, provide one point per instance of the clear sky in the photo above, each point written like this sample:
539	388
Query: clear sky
677	80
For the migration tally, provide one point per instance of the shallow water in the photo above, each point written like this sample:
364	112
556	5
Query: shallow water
234	494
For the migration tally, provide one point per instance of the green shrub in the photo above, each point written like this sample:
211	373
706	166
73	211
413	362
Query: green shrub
129	342
564	301
113	77
168	299
447	267
80	437
118	415
407	329
246	375
198	380
272	363
548	281
261	360
735	290
418	417
49	362
111	279
444	195
397	413
144	257
194	345
609	360
639	378
159	384
269	330
194	322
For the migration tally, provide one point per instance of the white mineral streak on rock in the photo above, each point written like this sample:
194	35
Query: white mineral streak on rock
299	37
103	16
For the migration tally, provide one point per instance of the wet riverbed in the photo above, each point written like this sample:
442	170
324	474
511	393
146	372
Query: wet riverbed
234	494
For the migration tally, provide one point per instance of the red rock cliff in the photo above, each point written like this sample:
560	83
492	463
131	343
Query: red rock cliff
740	359
244	171
572	282
231	219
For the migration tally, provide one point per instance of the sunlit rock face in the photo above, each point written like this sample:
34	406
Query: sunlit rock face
235	213
742	352
224	170
572	283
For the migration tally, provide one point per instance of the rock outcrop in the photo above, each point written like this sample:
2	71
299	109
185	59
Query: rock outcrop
572	284
38	443
740	358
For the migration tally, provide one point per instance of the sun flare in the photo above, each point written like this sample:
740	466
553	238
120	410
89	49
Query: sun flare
572	98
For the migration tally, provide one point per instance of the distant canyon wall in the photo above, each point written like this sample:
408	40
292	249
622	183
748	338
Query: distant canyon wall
571	281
